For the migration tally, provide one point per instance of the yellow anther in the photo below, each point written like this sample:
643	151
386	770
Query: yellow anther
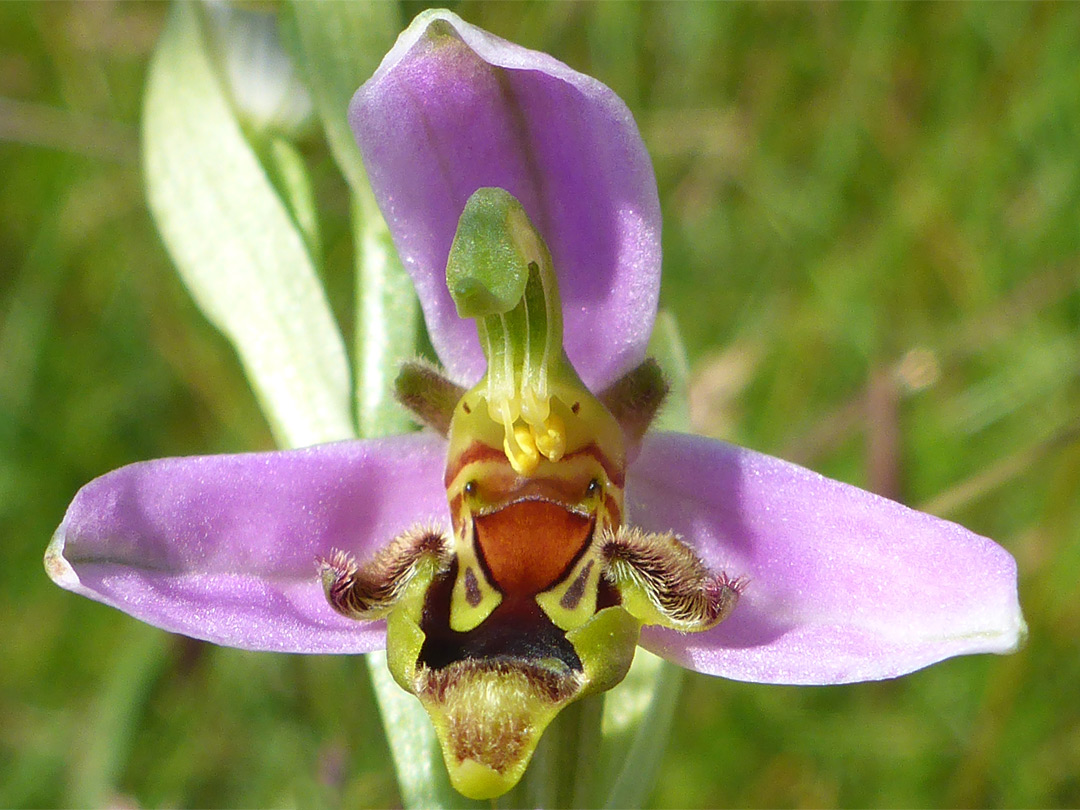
530	429
520	448
551	439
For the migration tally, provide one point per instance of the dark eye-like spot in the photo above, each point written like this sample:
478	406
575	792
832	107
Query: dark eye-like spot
470	488
594	488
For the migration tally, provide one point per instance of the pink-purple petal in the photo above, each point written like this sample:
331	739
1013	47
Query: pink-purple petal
224	548
452	109
844	585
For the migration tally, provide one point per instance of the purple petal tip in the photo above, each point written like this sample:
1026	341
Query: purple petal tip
844	585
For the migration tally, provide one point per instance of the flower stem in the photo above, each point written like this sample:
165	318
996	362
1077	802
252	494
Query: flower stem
605	750
563	768
637	723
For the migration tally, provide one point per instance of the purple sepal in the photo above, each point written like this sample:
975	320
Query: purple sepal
224	548
843	585
452	109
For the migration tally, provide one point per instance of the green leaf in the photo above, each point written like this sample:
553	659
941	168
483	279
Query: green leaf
235	244
260	77
290	177
339	46
387	313
667	347
635	730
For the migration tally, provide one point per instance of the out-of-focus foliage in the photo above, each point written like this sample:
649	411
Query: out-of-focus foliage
872	247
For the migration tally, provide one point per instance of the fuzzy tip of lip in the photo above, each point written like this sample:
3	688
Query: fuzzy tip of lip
56	566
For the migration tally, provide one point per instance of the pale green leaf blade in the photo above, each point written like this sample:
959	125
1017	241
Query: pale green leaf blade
290	177
236	247
387	313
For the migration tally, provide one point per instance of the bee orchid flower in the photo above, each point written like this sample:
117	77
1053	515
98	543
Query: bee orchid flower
512	556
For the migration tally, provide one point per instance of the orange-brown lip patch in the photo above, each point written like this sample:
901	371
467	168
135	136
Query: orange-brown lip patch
528	545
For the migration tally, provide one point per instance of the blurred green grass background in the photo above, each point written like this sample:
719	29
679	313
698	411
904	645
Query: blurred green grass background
872	247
